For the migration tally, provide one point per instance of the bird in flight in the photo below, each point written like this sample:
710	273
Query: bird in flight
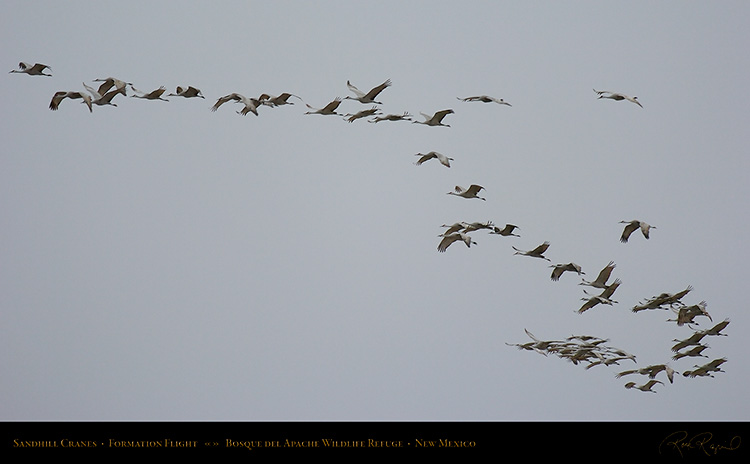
36	69
470	192
368	97
444	160
617	96
485	99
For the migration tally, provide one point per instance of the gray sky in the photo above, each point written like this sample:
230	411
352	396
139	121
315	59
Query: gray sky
164	262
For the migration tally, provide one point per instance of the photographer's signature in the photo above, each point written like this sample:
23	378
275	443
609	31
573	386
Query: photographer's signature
704	442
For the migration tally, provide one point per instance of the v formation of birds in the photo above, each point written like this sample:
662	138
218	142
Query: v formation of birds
587	350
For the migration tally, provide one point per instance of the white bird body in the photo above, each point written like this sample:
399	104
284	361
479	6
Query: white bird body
326	110
251	104
60	96
485	99
537	252
153	95
103	99
449	239
109	82
617	96
646	387
392	117
436	119
187	92
36	69
368	97
632	226
470	192
444	160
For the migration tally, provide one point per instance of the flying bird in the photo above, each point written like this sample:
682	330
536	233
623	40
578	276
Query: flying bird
617	96
36	69
187	92
444	160
470	192
103	99
251	104
153	95
505	231
632	226
646	387
62	95
362	114
537	252
664	299
605	297
392	117
696	351
716	329
601	279
651	371
109	82
326	110
434	120
449	239
278	100
368	97
694	339
686	314
485	99
559	269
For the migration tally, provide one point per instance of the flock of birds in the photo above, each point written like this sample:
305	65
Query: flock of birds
578	349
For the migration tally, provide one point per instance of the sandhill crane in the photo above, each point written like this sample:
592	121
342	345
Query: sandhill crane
109	82
362	114
706	369
448	239
453	228
103	99
694	339
601	279
368	97
36	69
696	351
686	314
605	297
153	95
651	371
187	92
661	300
537	252
470	192
617	96
278	100
444	160
251	104
484	99
713	366
392	117
505	231
716	329
646	387
60	96
436	119
632	226
326	110
559	269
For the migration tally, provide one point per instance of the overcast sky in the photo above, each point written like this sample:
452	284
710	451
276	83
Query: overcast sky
164	262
